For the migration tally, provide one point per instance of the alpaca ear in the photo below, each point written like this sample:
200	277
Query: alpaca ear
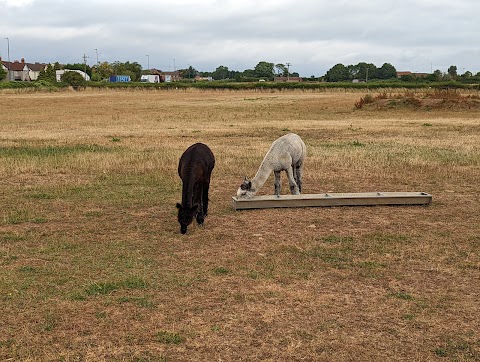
179	206
245	179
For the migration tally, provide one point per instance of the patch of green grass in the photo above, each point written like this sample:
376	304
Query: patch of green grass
166	337
40	196
133	283
337	239
16	217
104	288
401	295
49	151
253	274
49	323
370	265
337	255
27	269
101	288
220	271
441	352
427	125
10	237
139	301
101	315
356	143
92	213
458	348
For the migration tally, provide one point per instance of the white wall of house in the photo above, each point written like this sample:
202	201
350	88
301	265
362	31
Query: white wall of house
21	74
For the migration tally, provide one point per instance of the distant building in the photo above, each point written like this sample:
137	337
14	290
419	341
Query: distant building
204	79
22	71
288	79
166	76
34	69
59	73
120	78
170	76
150	78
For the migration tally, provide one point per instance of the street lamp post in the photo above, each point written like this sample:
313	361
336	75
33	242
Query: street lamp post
148	62
8	52
98	64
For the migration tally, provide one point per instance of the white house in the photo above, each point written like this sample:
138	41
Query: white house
21	71
15	70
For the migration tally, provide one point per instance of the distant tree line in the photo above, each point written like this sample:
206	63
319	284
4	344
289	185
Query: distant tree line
263	70
367	71
361	71
97	72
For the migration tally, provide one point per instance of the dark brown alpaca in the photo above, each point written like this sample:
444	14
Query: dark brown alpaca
195	168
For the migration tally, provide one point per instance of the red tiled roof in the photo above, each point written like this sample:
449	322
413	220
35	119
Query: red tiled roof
17	66
36	67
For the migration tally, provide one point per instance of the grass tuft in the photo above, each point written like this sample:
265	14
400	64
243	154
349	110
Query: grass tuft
169	338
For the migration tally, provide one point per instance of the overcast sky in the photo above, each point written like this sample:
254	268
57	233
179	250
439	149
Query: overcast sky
312	35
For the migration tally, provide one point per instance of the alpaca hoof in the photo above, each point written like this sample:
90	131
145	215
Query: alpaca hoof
200	221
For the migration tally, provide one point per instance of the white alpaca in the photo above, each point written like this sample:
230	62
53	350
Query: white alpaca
287	153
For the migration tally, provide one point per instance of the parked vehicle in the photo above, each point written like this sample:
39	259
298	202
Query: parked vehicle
120	78
150	78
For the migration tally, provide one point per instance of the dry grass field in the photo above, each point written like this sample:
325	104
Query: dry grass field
93	266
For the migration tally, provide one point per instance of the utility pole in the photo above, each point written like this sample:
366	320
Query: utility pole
8	52
98	64
148	63
288	71
174	69
85	63
366	77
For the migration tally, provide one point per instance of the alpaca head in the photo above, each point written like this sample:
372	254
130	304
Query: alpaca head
185	216
245	189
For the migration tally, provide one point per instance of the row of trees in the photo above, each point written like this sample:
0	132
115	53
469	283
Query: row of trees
263	70
102	71
364	71
368	71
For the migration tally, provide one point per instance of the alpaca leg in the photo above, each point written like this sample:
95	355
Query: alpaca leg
291	180
198	197
298	175
206	186
277	184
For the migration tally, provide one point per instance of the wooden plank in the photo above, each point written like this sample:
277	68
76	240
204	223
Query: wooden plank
333	199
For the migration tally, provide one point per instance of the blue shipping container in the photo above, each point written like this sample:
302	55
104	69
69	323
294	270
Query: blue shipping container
120	78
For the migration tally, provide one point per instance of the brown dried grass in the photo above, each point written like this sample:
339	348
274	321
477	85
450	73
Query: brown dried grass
93	267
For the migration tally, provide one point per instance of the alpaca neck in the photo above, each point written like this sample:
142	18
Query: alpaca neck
261	176
187	193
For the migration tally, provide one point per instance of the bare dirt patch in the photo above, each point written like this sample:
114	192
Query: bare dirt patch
436	100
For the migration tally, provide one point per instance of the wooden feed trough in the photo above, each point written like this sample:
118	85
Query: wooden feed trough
333	199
